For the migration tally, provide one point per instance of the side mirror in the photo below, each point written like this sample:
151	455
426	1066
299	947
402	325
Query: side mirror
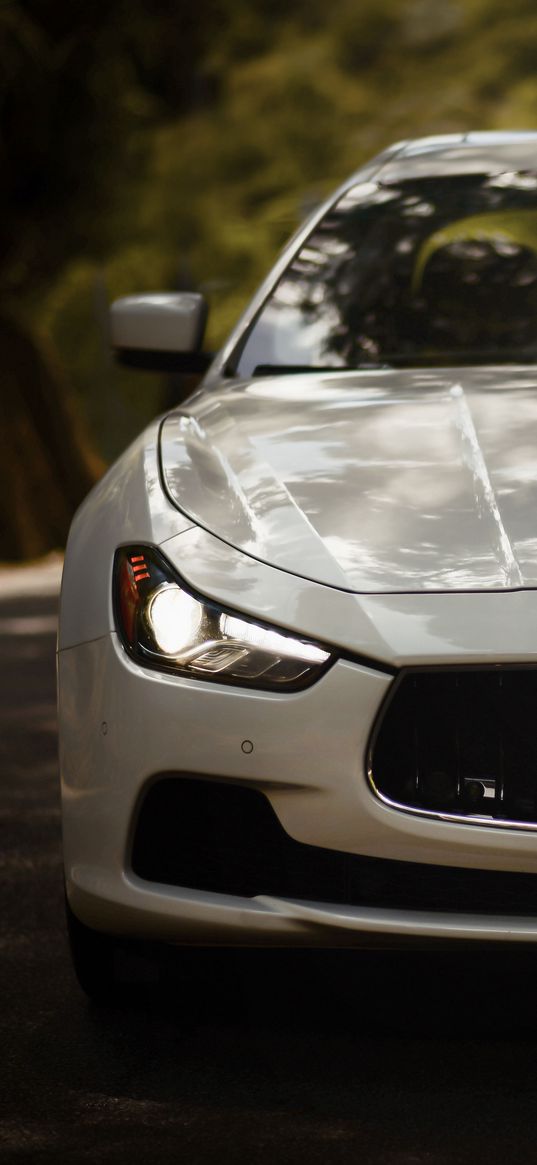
160	332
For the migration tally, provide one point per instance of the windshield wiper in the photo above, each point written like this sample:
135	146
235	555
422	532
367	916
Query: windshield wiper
471	358
285	369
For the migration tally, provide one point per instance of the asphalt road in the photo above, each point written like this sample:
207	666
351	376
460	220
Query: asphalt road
396	1058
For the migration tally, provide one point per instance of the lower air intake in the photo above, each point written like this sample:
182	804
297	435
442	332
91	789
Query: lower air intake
225	838
461	742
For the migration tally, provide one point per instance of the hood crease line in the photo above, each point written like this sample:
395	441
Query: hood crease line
484	490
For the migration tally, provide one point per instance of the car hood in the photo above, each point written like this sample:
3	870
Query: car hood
373	482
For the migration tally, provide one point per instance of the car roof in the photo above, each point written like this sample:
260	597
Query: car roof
493	152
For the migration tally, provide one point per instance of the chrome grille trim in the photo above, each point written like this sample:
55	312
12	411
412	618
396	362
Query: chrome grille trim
467	819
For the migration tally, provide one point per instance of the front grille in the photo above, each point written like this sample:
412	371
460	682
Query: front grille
215	836
461	742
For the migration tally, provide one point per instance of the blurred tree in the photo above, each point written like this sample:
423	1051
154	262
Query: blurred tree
77	82
45	467
38	177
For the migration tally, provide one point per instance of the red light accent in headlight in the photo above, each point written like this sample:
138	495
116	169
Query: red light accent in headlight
139	567
128	600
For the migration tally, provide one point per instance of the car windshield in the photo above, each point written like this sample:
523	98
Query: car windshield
428	272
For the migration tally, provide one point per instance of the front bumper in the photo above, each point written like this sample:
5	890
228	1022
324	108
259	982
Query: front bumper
121	724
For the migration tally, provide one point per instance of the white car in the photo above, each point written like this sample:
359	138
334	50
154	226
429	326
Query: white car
298	640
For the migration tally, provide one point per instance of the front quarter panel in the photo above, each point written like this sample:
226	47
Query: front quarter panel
128	504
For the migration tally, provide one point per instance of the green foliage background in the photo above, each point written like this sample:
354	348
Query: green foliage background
166	145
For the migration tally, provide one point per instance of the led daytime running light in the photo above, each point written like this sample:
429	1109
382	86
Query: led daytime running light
252	635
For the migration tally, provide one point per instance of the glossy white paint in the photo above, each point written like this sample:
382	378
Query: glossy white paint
128	504
434	561
473	153
310	765
377	482
398	629
190	918
159	322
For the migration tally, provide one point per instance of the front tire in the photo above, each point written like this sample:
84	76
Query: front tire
112	970
94	959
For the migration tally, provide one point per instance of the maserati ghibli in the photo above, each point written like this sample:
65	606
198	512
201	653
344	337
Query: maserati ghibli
297	655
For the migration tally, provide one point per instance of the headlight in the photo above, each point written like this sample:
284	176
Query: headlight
163	624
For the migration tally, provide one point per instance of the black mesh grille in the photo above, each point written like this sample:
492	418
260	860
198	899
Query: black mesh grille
215	836
461	742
